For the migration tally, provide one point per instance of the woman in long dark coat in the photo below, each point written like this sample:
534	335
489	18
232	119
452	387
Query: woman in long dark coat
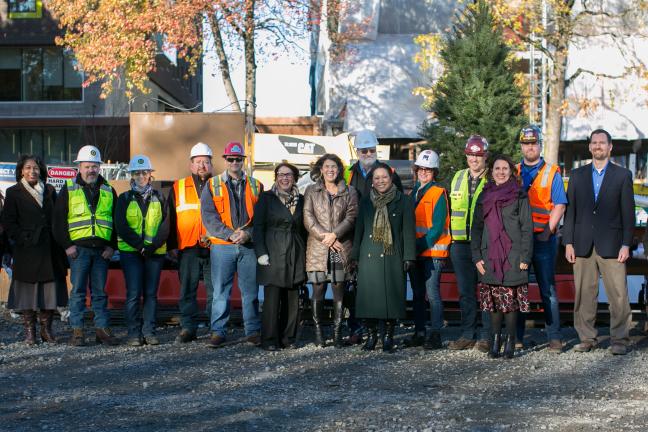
385	249
502	247
39	268
280	246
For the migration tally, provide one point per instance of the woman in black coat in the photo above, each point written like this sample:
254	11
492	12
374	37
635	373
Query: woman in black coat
279	243
502	246
39	266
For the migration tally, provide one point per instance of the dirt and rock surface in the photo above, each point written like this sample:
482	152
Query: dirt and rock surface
242	388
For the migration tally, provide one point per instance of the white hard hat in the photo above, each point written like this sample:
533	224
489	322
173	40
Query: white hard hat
88	153
365	139
201	149
427	159
140	163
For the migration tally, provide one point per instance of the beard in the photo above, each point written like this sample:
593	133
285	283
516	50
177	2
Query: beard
368	162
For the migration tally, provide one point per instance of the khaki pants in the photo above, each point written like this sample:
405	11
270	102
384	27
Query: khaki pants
586	279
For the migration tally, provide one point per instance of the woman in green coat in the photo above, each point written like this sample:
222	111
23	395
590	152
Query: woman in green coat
384	249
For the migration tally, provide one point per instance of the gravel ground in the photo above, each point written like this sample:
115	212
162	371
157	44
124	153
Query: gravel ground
242	388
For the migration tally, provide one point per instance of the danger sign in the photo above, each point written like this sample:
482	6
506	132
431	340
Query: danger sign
56	176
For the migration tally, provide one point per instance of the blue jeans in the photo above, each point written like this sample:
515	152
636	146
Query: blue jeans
227	260
89	266
544	267
466	275
142	277
427	279
192	265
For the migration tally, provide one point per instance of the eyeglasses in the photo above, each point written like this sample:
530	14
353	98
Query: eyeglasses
285	175
234	159
368	150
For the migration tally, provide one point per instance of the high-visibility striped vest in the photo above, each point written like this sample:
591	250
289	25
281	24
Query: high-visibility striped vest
221	198
462	205
189	225
424	213
83	223
144	226
540	195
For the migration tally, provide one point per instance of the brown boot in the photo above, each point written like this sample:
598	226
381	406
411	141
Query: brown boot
29	321
45	317
77	338
105	336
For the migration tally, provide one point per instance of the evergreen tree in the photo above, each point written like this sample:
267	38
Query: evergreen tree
476	93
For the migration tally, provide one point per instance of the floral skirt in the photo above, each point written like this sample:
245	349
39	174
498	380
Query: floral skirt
504	299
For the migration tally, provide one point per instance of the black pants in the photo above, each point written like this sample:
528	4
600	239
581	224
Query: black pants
193	266
279	318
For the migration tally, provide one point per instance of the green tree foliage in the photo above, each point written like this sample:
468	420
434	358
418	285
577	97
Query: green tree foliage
476	94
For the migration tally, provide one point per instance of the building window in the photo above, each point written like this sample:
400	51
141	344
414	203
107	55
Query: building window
39	74
53	145
25	9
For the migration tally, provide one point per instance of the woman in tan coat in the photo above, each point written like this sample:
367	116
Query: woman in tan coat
330	210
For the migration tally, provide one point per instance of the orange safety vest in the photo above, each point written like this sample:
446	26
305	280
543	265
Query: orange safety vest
220	196
189	223
540	195
424	213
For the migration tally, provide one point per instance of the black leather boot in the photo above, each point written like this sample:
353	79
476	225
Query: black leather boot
433	341
318	308
388	337
45	317
29	322
509	347
496	344
338	311
372	338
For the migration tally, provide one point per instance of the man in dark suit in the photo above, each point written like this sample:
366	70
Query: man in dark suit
599	224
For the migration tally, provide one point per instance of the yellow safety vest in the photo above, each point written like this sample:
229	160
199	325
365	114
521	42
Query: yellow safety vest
150	223
463	208
83	223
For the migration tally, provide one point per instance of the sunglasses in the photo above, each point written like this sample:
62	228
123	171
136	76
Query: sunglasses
368	150
234	159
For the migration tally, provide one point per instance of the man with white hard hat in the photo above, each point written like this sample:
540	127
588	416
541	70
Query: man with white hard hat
465	189
365	143
188	239
83	226
432	249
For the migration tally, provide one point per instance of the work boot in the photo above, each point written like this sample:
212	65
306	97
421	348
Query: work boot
77	339
496	345
45	317
417	339
29	322
388	337
461	344
509	347
372	337
338	311
433	341
185	336
318	308
105	336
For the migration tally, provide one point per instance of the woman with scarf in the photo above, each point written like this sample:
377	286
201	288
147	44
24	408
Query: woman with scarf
39	264
142	224
384	250
280	246
502	246
330	211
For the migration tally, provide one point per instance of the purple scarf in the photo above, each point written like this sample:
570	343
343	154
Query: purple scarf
499	243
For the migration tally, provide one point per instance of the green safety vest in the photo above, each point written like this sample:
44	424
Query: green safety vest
463	208
146	227
83	223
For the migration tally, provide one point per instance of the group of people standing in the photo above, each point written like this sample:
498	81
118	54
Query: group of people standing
352	227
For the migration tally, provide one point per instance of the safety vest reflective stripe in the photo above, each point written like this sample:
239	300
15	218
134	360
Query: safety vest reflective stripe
461	204
189	227
424	214
540	195
84	222
220	197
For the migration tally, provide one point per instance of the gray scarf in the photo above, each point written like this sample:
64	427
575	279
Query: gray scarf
144	191
381	230
35	191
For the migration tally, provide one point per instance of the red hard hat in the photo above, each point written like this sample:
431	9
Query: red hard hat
234	148
476	145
